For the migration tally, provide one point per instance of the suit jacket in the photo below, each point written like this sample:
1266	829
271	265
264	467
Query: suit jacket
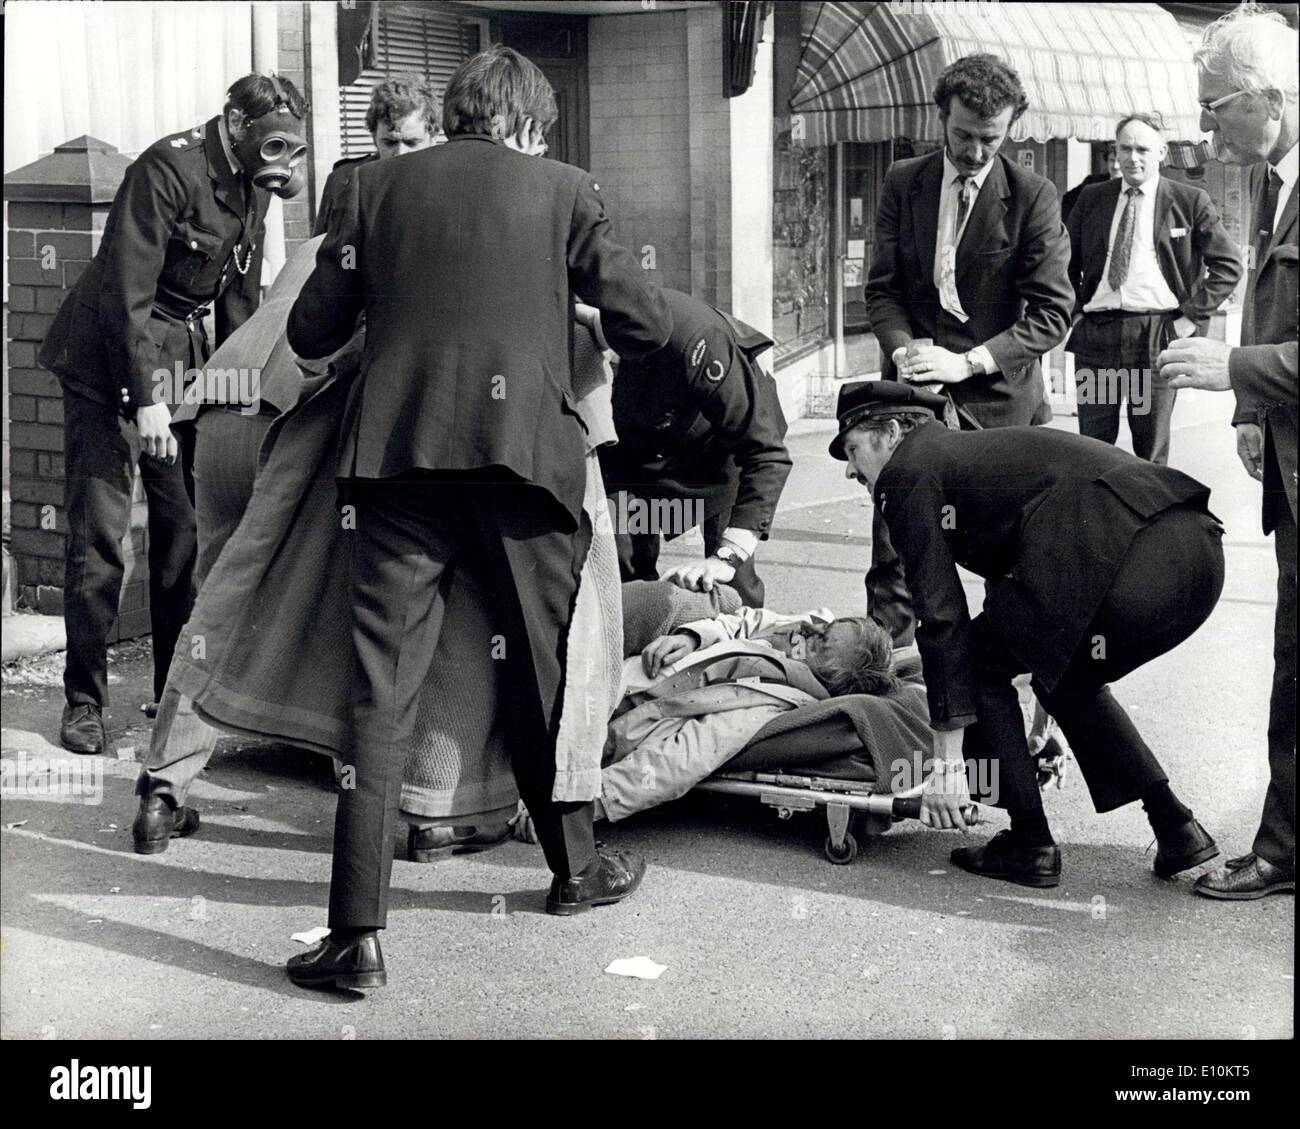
1263	368
169	247
1072	197
465	259
1045	516
1012	278
1201	266
684	413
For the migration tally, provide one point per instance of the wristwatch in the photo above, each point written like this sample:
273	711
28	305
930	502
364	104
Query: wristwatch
974	366
729	556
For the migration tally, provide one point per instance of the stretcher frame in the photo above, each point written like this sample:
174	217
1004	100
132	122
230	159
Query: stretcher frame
792	792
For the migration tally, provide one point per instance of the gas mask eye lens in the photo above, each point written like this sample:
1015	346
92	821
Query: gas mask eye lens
273	148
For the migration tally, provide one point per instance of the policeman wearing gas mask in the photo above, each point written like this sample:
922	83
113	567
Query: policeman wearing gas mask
182	239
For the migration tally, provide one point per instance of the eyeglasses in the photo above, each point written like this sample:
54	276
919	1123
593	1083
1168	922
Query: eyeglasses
1211	107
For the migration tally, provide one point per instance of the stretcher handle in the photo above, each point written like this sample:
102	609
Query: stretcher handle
909	807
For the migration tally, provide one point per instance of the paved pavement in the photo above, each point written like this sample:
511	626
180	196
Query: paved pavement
760	935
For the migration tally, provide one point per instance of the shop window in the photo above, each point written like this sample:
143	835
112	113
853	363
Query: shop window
801	244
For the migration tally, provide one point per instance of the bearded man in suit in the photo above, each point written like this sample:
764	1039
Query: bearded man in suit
970	253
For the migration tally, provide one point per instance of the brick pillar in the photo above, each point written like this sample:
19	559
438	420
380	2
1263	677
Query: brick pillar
57	208
292	64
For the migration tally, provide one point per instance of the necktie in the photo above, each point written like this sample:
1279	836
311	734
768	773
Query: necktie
965	194
1122	251
1264	220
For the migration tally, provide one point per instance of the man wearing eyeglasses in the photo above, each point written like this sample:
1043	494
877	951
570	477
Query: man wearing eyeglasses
1248	87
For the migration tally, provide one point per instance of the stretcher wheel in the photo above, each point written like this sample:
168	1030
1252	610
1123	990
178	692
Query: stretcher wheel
845	853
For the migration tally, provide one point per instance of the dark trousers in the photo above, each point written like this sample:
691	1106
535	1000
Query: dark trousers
1275	841
1164	590
411	536
101	452
1114	363
638	553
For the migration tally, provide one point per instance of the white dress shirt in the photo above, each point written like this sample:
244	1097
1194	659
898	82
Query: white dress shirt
948	238
1287	168
1145	288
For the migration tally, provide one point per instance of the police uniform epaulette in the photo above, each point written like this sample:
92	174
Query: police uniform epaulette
183	142
346	161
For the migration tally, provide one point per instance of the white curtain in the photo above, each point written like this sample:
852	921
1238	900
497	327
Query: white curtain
126	73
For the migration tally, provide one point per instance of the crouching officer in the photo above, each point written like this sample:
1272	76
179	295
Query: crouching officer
699	424
1097	563
184	234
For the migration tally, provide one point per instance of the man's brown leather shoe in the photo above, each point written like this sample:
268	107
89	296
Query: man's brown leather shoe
157	823
1183	849
616	876
1257	879
82	729
358	963
1002	857
428	844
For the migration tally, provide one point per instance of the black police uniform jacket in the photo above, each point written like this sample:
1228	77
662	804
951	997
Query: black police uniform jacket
465	259
1045	516
696	413
176	236
336	187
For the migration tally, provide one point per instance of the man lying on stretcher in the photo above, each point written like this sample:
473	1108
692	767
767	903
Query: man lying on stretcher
694	699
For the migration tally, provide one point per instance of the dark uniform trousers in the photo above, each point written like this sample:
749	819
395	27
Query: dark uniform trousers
411	535
102	450
1275	840
1126	341
1165	588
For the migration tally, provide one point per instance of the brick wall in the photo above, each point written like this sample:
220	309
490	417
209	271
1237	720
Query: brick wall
660	142
640	149
293	66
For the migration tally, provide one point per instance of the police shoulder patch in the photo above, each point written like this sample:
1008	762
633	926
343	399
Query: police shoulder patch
697	354
715	372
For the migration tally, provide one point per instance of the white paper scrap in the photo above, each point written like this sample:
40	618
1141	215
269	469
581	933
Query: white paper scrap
642	968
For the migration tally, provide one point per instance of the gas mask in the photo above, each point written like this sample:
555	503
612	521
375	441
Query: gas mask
272	151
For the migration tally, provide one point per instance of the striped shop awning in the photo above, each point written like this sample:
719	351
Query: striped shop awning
867	71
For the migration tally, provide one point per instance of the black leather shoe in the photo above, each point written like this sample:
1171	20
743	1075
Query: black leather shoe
1002	857
82	730
1256	879
157	823
619	873
428	844
1239	861
1183	849
358	963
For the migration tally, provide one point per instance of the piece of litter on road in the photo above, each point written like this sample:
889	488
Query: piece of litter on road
632	1007
642	968
11	826
312	936
115	889
936	872
95	921
125	752
963	913
155	1027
